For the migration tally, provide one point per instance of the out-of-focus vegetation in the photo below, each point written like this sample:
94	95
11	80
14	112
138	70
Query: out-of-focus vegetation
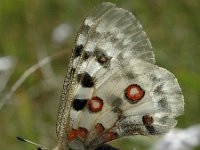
26	33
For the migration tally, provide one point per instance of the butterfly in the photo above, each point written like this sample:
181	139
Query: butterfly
113	88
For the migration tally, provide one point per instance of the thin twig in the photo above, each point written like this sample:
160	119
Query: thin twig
47	70
27	73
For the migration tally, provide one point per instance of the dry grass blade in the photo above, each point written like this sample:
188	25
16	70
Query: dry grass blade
27	73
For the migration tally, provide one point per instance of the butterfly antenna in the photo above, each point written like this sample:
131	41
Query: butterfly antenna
39	147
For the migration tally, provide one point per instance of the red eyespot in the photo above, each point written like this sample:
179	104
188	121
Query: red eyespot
99	128
109	136
82	132
134	93
95	104
147	120
72	135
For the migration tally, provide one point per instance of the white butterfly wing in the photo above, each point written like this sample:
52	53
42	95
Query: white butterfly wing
153	112
115	89
113	31
66	97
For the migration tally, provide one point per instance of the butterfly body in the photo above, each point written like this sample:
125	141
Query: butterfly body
113	88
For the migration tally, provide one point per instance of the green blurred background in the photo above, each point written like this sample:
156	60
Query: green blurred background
26	29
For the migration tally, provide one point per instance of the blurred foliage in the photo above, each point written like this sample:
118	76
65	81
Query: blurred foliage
26	28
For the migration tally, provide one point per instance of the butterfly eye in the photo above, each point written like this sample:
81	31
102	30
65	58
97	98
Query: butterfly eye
95	104
134	93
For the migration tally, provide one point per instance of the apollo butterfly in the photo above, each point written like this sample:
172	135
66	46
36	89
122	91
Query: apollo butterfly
113	87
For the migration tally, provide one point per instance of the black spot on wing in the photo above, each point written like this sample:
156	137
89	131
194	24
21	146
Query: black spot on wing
154	78
163	105
85	79
78	50
151	130
147	121
86	55
115	101
159	89
130	74
130	127
85	29
102	57
79	104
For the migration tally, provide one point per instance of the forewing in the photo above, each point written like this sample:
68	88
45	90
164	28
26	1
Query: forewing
69	83
114	33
